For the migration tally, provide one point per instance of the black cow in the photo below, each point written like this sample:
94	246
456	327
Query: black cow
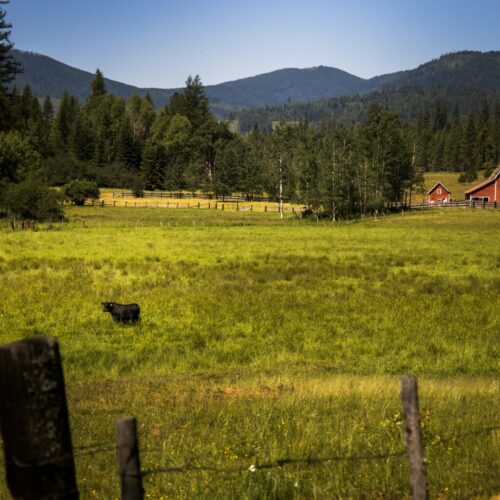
125	313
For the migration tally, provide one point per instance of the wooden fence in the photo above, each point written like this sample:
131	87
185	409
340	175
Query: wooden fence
201	196
213	205
39	458
452	204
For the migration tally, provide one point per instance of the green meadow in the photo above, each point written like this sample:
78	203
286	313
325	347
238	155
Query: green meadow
270	343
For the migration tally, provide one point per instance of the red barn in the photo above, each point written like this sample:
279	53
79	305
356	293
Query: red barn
438	194
488	191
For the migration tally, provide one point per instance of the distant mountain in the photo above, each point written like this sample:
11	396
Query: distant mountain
462	78
478	70
293	93
46	76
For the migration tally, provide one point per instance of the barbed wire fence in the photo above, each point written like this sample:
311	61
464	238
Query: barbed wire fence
39	455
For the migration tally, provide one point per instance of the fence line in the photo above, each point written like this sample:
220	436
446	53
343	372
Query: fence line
39	456
202	196
451	204
233	207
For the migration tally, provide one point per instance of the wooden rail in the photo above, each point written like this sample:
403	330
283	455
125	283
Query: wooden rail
202	196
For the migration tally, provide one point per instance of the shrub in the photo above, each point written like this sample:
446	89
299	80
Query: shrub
78	191
32	199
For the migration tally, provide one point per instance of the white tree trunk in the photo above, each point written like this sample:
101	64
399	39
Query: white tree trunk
281	187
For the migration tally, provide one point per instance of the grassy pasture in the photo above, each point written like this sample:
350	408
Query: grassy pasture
450	180
244	206
262	340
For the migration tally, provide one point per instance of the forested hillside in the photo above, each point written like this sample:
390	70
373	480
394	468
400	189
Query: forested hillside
313	93
46	76
335	170
461	79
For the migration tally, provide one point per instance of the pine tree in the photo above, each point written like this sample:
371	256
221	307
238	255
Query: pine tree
423	137
127	151
98	86
469	150
9	67
154	160
192	103
484	140
82	138
495	133
8	70
440	116
454	141
63	123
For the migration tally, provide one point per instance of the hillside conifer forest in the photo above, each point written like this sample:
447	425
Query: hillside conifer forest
335	169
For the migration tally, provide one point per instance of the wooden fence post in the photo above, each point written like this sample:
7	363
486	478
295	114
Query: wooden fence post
34	421
127	447
413	437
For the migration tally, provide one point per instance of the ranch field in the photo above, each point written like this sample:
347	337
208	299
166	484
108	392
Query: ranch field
268	343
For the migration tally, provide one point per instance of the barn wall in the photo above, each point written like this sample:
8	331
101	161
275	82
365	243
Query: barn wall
436	198
489	191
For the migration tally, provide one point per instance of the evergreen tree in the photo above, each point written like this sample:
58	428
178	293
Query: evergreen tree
177	140
82	138
9	67
98	86
62	126
127	150
484	139
469	150
423	137
453	142
154	160
8	70
440	115
495	134
192	103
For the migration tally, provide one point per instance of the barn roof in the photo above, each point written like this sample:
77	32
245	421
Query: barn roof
436	185
487	182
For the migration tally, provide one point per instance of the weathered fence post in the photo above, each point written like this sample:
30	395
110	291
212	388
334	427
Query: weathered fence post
127	447
34	421
413	437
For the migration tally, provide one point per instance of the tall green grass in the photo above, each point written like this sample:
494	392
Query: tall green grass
261	340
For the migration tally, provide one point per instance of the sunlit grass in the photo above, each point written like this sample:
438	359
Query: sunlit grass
202	203
263	340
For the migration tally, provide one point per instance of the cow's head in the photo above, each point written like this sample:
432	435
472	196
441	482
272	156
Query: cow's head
108	306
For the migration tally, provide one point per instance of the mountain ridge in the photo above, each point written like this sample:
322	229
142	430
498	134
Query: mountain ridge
48	76
471	69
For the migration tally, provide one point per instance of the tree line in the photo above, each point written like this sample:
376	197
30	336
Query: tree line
337	171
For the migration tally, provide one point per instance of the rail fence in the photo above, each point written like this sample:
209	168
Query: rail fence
452	204
39	456
201	196
214	205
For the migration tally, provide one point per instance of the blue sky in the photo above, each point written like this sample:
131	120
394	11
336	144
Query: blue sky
158	43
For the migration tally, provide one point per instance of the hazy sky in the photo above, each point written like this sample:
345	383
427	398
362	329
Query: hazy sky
158	43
